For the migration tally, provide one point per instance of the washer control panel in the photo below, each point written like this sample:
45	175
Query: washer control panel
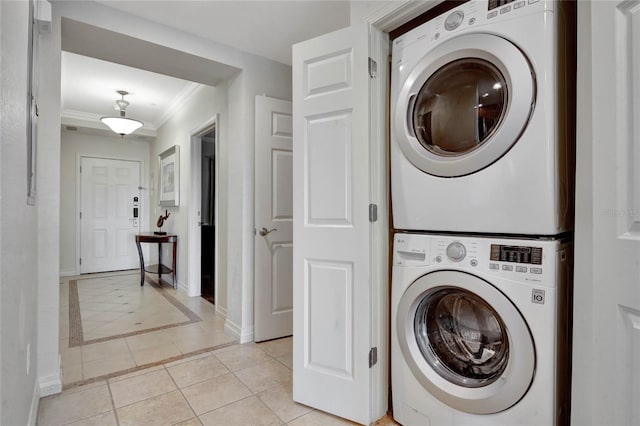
517	259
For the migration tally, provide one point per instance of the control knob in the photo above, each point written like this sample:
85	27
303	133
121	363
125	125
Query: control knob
456	252
454	20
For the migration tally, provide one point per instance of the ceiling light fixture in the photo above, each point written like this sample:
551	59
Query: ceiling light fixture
121	124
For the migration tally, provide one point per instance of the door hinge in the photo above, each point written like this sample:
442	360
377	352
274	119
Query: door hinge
373	68
373	212
80	215
81	261
373	357
80	169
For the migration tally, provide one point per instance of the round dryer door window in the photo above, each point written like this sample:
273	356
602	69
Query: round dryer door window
464	105
465	342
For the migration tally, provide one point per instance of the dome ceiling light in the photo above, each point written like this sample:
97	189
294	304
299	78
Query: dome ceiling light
121	124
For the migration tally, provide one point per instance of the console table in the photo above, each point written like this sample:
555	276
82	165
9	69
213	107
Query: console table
159	268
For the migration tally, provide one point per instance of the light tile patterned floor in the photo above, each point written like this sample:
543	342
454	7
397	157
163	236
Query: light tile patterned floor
118	326
237	385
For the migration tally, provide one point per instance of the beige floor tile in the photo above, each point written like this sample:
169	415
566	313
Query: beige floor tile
387	420
141	387
287	360
105	419
135	373
191	422
106	366
189	330
238	357
71	373
166	409
265	375
103	350
197	370
278	347
195	343
155	354
280	400
318	418
71	356
147	340
249	411
215	393
70	407
85	387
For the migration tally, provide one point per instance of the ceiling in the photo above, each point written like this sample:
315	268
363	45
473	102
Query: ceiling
264	28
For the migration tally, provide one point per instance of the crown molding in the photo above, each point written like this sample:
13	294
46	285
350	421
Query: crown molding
179	101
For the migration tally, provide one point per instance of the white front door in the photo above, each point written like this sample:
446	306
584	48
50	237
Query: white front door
107	222
606	337
339	300
273	219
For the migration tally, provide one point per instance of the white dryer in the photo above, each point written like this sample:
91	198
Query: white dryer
481	122
480	330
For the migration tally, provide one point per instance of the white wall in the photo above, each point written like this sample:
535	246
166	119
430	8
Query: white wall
258	76
18	227
74	145
206	103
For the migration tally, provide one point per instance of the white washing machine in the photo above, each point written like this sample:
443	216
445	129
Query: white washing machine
481	122
480	330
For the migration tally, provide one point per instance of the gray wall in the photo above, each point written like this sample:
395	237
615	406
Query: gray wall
18	225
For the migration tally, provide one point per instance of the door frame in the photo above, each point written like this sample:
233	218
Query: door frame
195	244
144	200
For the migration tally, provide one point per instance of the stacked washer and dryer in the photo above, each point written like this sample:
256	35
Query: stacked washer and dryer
481	183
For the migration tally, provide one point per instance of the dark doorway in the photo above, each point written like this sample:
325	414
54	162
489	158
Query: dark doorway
207	224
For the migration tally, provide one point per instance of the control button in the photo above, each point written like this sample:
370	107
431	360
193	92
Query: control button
456	252
535	270
521	269
492	14
494	266
473	20
436	36
518	5
454	20
438	259
474	262
505	10
507	267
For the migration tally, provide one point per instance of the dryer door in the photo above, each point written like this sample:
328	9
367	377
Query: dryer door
464	105
465	342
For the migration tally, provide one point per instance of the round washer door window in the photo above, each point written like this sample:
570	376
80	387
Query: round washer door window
465	342
464	105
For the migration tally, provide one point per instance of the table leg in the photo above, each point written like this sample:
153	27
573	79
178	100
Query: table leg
141	263
175	250
160	263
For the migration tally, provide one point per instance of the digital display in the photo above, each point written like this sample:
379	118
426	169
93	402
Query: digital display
497	3
516	254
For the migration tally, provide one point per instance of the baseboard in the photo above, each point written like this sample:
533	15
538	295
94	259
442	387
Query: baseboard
68	272
221	312
35	405
242	335
52	383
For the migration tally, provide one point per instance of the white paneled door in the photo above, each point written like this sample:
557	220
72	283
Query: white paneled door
336	298
274	220
107	220
606	338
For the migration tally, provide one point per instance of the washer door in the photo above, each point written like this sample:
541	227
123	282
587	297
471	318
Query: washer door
465	342
464	105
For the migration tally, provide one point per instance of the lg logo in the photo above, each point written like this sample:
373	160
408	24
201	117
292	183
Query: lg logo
537	296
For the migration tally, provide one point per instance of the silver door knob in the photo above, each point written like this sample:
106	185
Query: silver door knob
264	231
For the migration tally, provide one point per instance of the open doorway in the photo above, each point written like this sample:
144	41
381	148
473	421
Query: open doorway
207	216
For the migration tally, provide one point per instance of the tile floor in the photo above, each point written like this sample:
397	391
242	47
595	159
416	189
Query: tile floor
246	384
123	334
189	374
